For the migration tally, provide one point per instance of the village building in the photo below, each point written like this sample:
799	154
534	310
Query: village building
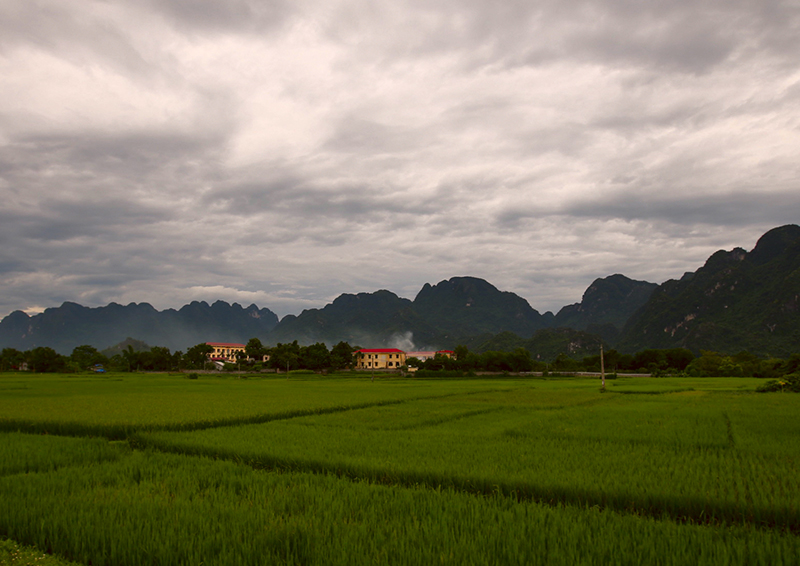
380	358
225	352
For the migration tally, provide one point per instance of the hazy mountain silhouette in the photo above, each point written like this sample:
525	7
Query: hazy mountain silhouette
738	300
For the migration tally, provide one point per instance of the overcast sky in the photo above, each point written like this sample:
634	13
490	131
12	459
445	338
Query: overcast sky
282	153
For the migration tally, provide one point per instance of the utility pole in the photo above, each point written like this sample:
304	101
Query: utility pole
602	369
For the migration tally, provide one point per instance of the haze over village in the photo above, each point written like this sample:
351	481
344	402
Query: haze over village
285	153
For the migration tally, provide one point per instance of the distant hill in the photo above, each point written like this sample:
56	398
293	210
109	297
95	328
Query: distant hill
606	306
366	319
62	328
136	345
545	345
737	301
465	306
441	315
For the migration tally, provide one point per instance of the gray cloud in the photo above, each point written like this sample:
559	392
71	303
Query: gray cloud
232	16
283	153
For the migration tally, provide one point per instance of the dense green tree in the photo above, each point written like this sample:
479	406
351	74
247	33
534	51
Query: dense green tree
469	361
45	359
315	357
591	363
197	355
84	357
117	363
625	362
565	363
158	358
255	349
520	360
132	357
611	360
791	365
11	358
710	364
650	360
342	356
440	362
678	358
285	357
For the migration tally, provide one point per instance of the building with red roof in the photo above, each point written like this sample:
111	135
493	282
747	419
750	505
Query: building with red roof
225	351
380	358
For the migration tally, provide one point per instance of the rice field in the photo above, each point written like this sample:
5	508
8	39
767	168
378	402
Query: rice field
116	405
347	471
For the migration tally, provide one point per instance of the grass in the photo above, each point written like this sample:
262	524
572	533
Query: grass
400	471
117	405
150	508
672	455
15	554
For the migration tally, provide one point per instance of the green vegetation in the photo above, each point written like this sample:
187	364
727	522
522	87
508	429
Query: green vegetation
119	404
736	301
13	553
619	452
505	353
790	383
342	470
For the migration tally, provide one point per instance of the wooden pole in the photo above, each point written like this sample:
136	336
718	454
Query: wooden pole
602	368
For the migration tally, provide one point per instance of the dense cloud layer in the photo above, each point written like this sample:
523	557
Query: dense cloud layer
285	152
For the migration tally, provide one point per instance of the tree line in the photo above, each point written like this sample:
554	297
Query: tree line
282	357
665	362
318	358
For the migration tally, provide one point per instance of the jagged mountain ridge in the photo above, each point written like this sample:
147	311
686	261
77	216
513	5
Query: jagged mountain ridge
440	315
465	306
62	328
737	301
372	319
606	306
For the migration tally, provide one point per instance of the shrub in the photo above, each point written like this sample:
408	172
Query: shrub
789	383
192	376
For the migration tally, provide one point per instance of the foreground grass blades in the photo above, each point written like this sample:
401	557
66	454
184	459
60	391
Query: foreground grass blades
149	508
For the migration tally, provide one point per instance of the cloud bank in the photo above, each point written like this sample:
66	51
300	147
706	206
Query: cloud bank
283	153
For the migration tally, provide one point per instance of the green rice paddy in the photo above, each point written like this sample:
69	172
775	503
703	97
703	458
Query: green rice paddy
163	470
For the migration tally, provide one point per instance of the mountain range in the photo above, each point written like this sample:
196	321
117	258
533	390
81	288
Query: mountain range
737	301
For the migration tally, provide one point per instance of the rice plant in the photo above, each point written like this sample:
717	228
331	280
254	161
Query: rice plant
687	457
149	508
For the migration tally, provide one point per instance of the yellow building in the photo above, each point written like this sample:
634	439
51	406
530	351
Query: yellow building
224	351
380	358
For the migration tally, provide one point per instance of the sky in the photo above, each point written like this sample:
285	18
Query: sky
285	152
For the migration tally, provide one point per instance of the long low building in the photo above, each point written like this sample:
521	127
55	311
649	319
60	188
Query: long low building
380	358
